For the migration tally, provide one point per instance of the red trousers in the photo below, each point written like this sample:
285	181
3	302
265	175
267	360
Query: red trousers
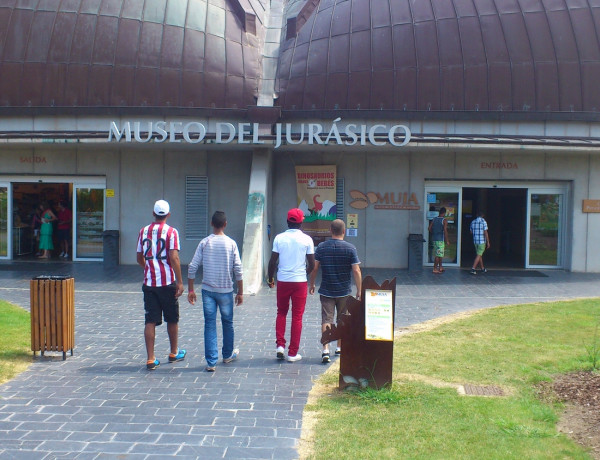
297	293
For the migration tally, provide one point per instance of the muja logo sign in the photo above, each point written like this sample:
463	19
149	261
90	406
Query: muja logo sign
389	200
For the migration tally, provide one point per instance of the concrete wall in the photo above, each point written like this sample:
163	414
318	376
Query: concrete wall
590	230
147	176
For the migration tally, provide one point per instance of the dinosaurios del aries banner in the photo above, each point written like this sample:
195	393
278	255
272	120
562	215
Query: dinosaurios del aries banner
316	187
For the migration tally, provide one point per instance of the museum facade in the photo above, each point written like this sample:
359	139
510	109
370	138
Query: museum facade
486	106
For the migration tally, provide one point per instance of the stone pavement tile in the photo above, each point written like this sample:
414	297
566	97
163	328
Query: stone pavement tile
278	423
14	435
227	441
194	452
200	429
254	431
63	446
277	442
91	437
106	447
179	439
40	435
15	448
252	452
43	426
155	448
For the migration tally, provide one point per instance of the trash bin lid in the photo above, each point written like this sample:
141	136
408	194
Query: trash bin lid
52	277
416	237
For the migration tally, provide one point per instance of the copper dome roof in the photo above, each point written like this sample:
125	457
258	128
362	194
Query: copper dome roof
129	53
519	56
441	55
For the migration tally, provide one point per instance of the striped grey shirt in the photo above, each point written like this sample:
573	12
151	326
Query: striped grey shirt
220	259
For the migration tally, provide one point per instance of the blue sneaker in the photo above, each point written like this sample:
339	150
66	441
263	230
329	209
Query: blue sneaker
178	357
151	365
233	356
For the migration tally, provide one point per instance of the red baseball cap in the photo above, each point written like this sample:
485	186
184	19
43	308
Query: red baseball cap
295	215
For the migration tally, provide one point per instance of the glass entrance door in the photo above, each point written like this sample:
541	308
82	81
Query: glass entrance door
449	198
89	223
4	220
546	228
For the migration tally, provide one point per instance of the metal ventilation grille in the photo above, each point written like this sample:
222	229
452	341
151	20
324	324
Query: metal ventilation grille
339	197
196	207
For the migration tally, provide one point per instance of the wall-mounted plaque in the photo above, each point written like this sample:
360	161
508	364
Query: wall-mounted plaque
591	205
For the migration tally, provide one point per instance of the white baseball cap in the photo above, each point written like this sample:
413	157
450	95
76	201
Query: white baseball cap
161	208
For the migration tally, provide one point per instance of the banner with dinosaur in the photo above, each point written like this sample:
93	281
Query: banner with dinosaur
316	187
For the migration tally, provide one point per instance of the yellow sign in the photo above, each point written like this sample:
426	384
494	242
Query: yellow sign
591	205
110	193
352	220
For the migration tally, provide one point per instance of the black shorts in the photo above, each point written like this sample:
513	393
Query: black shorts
63	234
160	301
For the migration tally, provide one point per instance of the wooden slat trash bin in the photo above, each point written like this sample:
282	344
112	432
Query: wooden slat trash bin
52	314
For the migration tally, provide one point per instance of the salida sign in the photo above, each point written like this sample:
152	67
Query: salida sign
194	132
387	200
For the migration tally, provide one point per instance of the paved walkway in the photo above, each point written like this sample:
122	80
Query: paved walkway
102	403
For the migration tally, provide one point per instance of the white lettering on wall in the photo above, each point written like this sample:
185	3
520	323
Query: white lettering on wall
245	133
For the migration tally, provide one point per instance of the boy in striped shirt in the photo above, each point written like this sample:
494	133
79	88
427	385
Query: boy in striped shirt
158	252
220	258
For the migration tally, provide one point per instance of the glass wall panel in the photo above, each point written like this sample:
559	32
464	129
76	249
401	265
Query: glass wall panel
545	229
3	221
89	222
448	200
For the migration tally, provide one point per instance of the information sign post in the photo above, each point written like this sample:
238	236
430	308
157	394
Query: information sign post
367	334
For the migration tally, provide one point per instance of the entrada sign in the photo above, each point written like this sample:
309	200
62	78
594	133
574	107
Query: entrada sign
194	132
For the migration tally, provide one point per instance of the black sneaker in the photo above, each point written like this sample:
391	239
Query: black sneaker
325	357
484	270
473	271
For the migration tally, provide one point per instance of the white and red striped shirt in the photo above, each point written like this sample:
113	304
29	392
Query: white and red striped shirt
155	242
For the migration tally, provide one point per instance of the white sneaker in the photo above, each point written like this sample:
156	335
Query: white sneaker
280	353
293	359
62	254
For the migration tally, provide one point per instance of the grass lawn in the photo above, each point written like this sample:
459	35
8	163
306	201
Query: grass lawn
15	353
422	416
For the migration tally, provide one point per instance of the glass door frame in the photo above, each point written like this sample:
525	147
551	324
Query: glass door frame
562	223
77	181
550	187
87	185
432	188
9	220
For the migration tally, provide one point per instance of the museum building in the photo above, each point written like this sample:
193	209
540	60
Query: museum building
473	105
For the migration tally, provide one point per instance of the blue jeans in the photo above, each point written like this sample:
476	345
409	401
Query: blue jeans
224	301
